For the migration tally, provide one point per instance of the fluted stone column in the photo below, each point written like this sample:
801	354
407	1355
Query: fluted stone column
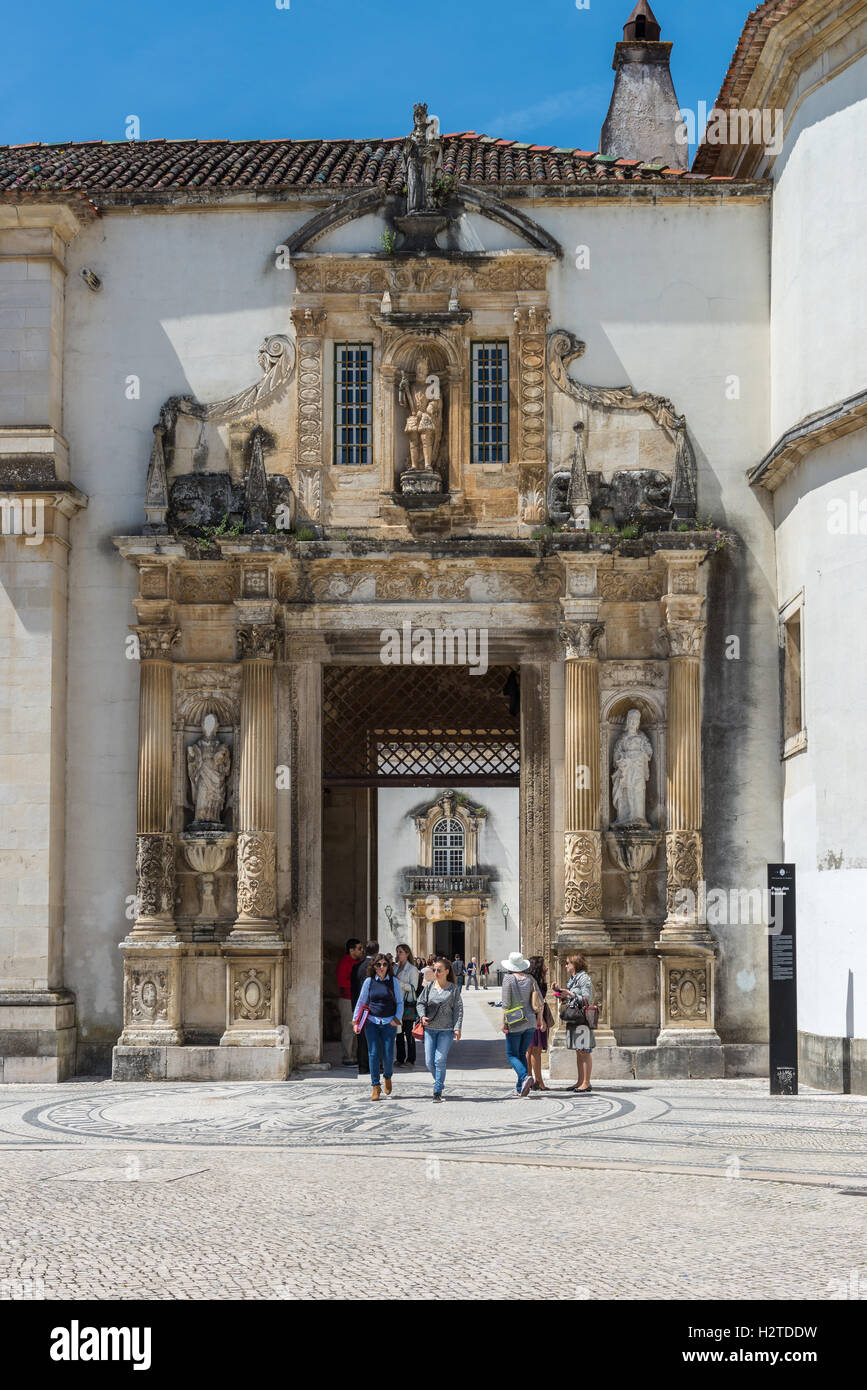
683	774
583	836
257	840
685	947
154	841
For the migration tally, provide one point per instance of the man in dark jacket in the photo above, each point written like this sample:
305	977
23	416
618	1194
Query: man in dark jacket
359	975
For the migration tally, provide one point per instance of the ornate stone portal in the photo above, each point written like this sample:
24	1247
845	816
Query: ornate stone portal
249	584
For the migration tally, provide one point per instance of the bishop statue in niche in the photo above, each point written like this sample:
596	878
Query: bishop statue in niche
632	754
422	398
209	763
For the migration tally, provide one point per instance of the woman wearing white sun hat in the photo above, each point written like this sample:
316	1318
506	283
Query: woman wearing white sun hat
522	1015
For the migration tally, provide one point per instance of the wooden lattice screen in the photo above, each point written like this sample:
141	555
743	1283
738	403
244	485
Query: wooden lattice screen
418	726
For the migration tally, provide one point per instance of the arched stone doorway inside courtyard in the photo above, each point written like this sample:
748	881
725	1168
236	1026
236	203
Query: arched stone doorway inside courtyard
421	812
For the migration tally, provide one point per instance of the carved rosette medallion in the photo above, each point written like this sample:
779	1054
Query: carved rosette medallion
583	897
155	643
252	993
155	874
580	641
257	896
687	995
258	642
683	852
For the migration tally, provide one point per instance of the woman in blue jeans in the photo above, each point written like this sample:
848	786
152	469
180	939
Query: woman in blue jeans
520	1019
380	1003
441	1011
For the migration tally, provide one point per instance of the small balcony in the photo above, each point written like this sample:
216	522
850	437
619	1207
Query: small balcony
448	885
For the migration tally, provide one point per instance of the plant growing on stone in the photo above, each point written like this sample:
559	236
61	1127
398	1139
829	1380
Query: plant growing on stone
388	241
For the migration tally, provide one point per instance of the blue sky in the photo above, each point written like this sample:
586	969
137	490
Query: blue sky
329	68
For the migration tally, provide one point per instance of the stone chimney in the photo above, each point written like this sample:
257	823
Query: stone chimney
642	120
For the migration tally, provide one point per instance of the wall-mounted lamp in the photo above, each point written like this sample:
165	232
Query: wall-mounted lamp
505	911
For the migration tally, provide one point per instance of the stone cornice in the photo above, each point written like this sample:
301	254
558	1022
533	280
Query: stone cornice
809	434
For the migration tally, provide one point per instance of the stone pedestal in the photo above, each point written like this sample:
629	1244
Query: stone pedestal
151	994
254	995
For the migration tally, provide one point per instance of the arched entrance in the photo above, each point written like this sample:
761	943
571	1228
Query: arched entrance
450	939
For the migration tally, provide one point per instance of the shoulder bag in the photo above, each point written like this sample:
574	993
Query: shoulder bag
515	1016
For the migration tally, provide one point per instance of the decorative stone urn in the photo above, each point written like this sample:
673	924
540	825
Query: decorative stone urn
206	852
633	850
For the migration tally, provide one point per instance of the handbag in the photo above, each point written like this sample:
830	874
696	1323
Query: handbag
423	1001
592	1013
573	1013
515	1015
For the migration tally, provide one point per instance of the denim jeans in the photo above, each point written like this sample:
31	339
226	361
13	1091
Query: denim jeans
516	1053
437	1042
380	1047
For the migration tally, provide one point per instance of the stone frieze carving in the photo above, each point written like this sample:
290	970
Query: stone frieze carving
257	896
206	586
583	861
614	674
155	875
616	586
504	273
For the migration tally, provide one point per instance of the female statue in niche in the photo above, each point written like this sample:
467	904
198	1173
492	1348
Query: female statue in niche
209	763
632	754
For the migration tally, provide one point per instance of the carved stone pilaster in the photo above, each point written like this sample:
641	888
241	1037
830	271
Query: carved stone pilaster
583	896
531	321
257	899
683	853
686	989
155	876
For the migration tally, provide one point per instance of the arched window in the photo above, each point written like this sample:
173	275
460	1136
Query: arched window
448	847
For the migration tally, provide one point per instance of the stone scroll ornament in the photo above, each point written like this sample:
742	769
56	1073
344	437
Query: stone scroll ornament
583	896
277	360
155	875
257	898
564	348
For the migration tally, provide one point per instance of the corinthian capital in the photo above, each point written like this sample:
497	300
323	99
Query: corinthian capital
155	643
580	640
684	637
257	641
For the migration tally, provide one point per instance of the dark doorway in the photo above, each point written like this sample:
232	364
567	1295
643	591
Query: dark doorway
449	939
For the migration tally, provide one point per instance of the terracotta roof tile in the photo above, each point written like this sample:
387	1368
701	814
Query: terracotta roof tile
745	60
112	171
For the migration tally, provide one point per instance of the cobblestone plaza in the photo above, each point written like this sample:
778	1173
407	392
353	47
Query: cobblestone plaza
678	1190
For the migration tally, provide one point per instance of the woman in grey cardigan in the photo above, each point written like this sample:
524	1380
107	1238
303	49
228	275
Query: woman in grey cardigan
578	1036
441	1010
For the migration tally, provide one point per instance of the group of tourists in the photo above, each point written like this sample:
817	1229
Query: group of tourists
390	1003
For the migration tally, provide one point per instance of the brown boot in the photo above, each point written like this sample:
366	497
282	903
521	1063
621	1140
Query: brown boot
375	1093
388	1085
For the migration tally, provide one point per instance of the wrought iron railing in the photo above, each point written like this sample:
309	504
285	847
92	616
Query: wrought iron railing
444	884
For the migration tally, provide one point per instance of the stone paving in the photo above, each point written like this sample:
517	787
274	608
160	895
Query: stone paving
304	1189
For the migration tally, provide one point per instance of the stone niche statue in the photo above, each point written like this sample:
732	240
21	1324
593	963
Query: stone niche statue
422	398
209	764
632	754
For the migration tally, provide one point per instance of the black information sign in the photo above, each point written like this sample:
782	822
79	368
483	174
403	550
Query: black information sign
783	981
